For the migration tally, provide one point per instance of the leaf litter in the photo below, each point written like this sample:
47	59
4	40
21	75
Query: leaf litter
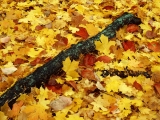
33	32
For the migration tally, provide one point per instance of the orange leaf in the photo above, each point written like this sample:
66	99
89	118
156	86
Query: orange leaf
113	107
157	86
104	59
154	46
132	28
73	84
16	109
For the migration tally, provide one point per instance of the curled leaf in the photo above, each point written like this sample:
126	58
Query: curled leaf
60	103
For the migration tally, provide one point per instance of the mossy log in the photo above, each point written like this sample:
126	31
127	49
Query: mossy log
42	74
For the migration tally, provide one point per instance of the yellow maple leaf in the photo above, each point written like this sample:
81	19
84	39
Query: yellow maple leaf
69	92
113	84
155	68
144	110
35	17
98	1
124	113
42	96
156	25
80	8
103	46
118	4
60	80
3	116
7	49
77	104
100	65
91	29
100	104
58	24
124	104
129	36
137	102
41	40
35	111
97	107
34	52
25	4
126	89
5	24
133	63
43	93
70	68
53	2
60	115
74	117
145	26
156	3
71	39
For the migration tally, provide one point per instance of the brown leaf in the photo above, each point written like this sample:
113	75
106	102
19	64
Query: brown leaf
76	19
156	76
19	61
151	34
73	84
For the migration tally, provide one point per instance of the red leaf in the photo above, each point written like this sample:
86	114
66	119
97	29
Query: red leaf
82	33
104	59
56	89
15	28
129	45
132	28
89	60
108	7
62	41
137	85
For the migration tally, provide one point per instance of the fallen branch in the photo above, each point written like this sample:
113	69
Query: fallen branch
125	73
41	75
